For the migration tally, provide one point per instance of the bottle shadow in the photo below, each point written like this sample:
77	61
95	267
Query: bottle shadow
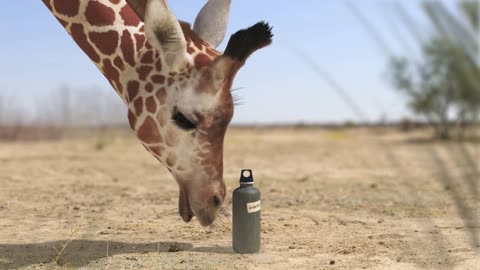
214	249
77	253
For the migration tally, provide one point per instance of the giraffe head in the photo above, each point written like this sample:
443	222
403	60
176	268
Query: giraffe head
184	122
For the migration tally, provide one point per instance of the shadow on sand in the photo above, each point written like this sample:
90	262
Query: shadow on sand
431	141
79	252
215	249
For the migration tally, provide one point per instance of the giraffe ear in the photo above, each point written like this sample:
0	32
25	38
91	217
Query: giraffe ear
240	46
212	20
164	32
245	42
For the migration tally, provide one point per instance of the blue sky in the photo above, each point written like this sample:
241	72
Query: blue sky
38	55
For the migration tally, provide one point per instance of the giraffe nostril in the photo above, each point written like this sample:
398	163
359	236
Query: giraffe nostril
217	201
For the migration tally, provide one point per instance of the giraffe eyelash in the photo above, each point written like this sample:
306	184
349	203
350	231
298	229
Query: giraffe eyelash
182	121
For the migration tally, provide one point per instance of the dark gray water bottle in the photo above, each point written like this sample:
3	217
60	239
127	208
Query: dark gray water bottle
246	215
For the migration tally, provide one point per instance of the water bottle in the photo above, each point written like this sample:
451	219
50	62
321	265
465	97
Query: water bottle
246	215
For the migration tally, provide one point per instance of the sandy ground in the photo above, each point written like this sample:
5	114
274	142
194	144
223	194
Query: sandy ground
343	199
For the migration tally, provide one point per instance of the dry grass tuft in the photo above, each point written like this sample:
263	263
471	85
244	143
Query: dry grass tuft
61	251
174	247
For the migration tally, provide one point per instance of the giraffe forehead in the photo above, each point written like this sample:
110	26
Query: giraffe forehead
191	101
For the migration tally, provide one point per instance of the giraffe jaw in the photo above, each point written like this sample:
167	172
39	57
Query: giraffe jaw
184	206
205	215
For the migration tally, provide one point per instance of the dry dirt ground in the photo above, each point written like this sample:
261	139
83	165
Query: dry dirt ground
344	199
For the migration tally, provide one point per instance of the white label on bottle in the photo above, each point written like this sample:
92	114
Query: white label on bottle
253	207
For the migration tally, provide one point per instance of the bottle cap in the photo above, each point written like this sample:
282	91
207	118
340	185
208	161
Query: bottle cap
246	176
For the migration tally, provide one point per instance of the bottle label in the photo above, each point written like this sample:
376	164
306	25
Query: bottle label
253	207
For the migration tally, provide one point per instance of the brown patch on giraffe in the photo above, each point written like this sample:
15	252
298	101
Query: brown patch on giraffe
151	105
118	87
81	39
47	3
192	36
126	46
138	104
183	76
142	29
148	131
106	42
171	159
147	58
132	119
115	2
148	46
202	60
98	14
158	78
110	71
118	62
158	65
67	8
190	50
112	84
170	81
187	38
161	95
149	87
171	137
143	72
140	39
157	150
172	74
132	89
64	23
128	16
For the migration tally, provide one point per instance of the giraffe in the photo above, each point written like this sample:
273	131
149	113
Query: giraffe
176	86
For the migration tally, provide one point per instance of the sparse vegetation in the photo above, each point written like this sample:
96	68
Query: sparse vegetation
174	247
436	89
61	251
58	111
443	87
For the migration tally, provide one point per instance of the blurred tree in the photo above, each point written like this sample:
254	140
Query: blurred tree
430	86
470	9
445	85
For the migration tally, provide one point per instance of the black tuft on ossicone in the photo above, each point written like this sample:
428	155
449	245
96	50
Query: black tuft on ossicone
246	41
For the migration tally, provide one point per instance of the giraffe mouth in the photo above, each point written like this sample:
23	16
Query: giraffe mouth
184	207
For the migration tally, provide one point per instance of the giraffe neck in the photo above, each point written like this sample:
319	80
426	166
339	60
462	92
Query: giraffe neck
113	37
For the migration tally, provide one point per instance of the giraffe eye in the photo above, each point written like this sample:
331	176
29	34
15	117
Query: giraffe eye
182	121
